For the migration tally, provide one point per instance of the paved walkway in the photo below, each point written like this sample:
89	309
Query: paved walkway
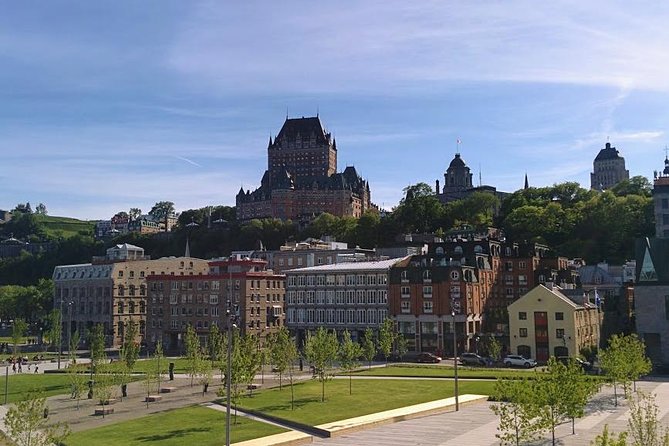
476	425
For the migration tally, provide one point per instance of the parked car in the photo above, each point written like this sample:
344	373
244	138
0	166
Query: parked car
585	365
519	361
472	359
428	357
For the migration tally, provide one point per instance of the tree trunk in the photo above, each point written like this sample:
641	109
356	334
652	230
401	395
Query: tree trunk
615	394
323	390
350	384
292	393
280	376
573	426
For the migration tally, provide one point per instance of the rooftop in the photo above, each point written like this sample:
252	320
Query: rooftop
380	265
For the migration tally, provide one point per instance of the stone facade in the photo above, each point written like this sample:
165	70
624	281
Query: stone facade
112	290
458	183
255	295
608	169
345	296
301	180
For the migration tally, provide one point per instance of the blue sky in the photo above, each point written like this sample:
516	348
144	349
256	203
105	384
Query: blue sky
112	105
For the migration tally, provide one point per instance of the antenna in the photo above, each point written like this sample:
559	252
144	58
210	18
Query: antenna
317	110
480	181
457	145
666	152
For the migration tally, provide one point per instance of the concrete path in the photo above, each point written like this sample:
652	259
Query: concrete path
476	425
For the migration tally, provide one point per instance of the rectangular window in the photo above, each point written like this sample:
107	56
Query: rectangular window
427	307
405	306
406	292
522	315
522	332
559	333
559	316
427	291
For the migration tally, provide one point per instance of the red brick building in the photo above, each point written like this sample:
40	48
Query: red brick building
481	274
256	296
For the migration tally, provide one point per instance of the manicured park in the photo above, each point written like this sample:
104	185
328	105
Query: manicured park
21	383
192	425
369	396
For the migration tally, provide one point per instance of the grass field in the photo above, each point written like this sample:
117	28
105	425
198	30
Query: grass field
434	371
20	384
369	396
64	226
192	426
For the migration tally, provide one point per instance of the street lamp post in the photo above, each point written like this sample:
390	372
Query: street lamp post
69	327
455	362
60	337
228	373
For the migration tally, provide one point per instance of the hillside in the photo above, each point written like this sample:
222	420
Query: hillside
65	227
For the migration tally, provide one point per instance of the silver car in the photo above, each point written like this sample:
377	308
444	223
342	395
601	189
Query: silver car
519	361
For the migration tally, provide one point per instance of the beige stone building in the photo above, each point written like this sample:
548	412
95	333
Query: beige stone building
112	291
546	322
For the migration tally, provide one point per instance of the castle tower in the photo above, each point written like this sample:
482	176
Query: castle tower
458	176
608	169
661	201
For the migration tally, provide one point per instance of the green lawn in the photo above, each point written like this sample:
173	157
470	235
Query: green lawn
192	426
369	396
64	226
432	371
20	384
180	365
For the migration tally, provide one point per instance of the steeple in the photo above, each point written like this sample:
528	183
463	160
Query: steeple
187	253
270	142
527	183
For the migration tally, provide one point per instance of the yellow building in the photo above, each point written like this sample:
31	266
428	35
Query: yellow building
546	322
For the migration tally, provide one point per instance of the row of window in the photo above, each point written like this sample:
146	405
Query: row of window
190	311
337	280
338	316
559	333
559	315
66	293
337	297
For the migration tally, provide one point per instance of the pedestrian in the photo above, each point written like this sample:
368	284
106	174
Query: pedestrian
28	366
20	369
36	367
14	367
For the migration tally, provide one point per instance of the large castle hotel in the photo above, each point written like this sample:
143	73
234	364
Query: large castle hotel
301	180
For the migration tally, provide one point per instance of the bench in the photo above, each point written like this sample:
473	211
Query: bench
104	410
168	389
153	398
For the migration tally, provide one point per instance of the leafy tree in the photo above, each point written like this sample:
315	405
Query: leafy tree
637	185
386	338
204	371
215	345
519	420
368	346
105	380
624	361
76	372
40	209
608	439
19	328
27	424
161	210
494	348
644	424
130	347
577	389
134	213
55	329
401	345
321	350
96	341
349	352
192	346
282	352
420	210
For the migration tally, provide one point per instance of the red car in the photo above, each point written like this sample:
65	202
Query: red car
428	357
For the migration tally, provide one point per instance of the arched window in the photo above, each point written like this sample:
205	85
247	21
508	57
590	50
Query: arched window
439	251
525	351
405	275
455	275
469	276
427	275
478	249
458	250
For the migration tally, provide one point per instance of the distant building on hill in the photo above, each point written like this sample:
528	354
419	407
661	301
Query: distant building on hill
608	169
301	180
458	183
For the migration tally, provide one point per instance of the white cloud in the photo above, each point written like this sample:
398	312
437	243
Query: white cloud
378	44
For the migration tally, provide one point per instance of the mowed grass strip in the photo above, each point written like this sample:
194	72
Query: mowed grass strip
426	371
188	426
20	383
369	396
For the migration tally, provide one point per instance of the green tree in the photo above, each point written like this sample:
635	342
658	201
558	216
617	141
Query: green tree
161	210
577	389
134	213
644	424
401	346
105	380
369	346
281	352
420	210
96	341
55	329
608	439
130	347
192	347
349	352
19	328
27	424
494	348
321	349
386	338
624	361
519	420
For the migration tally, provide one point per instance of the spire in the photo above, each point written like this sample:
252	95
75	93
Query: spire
187	253
270	142
527	183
